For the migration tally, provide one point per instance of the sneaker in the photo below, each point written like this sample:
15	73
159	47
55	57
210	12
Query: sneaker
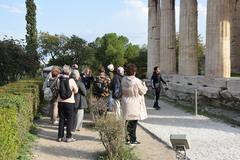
60	139
70	140
134	143
55	122
157	108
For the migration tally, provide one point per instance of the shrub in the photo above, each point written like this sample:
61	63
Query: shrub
9	136
111	131
18	106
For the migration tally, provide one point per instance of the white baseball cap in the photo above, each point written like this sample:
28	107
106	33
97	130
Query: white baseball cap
120	70
110	67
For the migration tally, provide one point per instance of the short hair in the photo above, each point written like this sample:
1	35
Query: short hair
67	70
75	74
131	69
55	71
101	70
155	68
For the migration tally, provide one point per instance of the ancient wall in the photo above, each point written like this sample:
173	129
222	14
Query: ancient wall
218	92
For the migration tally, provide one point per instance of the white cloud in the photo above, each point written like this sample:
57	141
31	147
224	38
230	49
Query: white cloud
133	19
135	10
137	5
13	8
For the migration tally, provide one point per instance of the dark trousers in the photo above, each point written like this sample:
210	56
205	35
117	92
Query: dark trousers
157	95
65	111
131	129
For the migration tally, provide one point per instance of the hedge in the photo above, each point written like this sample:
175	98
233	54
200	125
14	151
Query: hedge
19	103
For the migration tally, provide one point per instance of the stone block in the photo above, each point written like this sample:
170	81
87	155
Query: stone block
213	83
226	94
233	84
209	92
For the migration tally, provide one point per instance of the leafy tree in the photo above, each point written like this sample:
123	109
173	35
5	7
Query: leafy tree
60	50
51	46
61	60
13	64
132	51
201	56
110	49
81	53
31	37
115	49
140	61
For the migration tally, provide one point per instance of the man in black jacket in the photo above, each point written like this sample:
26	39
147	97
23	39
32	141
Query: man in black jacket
157	81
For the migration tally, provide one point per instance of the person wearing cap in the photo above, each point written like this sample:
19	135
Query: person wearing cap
117	90
110	68
75	66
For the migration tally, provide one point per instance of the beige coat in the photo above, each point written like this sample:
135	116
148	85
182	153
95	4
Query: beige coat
133	103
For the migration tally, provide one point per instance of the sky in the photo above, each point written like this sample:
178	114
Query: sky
87	19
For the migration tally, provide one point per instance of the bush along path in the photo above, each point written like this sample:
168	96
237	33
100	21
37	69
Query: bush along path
19	102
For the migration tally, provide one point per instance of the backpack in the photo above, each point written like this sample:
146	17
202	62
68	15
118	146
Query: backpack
51	91
100	87
64	88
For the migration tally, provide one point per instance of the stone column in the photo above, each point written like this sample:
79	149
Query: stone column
218	39
167	37
153	35
235	37
188	38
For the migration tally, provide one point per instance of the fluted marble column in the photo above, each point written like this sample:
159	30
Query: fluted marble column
235	37
218	39
153	35
167	37
188	38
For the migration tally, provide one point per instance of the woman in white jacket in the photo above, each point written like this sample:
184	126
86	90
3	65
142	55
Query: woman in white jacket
133	104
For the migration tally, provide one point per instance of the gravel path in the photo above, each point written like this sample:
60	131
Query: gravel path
86	147
209	139
89	145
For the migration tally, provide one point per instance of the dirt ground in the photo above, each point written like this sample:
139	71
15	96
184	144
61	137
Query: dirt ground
88	145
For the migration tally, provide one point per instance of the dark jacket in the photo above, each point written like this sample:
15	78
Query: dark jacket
80	97
87	80
116	86
156	80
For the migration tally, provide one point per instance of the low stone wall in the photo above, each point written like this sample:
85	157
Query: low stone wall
218	92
